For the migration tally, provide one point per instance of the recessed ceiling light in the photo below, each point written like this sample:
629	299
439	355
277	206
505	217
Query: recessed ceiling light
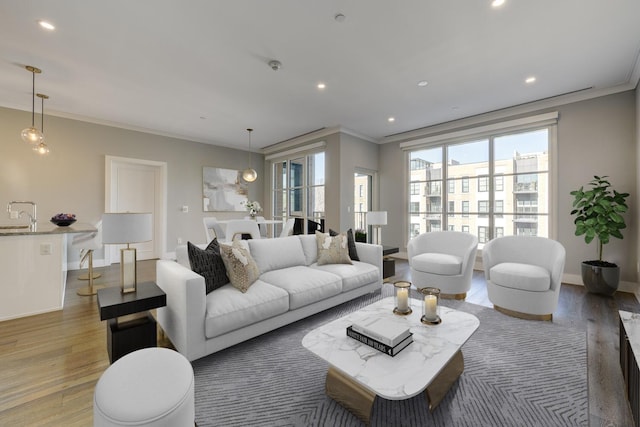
391	119
497	3
530	80
321	86
46	25
423	83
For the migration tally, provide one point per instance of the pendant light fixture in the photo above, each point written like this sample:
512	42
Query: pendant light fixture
249	174
31	134
42	148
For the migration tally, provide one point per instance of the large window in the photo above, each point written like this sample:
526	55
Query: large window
500	182
298	188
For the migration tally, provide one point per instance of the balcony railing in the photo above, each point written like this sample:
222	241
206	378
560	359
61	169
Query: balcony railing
526	187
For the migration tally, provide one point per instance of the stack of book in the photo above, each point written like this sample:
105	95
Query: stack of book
383	334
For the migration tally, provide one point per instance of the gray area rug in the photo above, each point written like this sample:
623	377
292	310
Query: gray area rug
517	373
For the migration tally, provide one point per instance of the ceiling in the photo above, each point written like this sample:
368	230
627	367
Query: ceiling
198	69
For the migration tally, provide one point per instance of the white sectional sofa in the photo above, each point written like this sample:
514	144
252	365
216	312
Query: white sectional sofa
291	287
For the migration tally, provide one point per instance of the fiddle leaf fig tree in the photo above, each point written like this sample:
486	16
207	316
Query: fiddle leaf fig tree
598	212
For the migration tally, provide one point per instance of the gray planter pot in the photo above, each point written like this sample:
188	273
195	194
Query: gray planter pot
600	277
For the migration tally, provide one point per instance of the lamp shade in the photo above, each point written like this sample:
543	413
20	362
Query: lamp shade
126	227
377	218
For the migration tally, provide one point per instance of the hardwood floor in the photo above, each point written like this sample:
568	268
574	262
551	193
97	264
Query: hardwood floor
50	363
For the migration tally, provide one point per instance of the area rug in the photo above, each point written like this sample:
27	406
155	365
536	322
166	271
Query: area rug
517	373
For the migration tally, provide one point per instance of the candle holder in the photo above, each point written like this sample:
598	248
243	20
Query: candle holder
431	306
402	299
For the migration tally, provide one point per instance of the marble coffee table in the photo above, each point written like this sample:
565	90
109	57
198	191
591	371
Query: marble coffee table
358	373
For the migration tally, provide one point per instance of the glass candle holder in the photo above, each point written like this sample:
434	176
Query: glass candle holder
430	306
403	302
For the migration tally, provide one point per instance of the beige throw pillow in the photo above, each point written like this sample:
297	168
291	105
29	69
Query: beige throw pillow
332	249
241	267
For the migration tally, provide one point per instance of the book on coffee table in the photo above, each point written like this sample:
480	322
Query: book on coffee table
383	330
391	351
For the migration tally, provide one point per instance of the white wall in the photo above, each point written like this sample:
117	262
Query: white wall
72	178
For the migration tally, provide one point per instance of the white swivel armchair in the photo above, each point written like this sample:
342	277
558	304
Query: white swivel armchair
523	275
443	259
211	223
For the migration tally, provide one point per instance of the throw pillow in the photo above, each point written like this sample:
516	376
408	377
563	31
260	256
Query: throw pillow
241	267
208	263
353	252
332	249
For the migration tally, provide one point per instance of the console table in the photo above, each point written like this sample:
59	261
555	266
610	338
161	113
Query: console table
130	326
629	356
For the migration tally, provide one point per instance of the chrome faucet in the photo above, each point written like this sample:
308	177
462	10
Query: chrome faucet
32	217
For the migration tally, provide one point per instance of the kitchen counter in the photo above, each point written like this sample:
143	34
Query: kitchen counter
44	228
33	268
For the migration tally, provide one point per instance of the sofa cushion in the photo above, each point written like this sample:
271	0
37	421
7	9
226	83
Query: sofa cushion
208	263
274	254
228	309
332	249
310	247
353	275
515	275
304	284
241	267
436	263
351	243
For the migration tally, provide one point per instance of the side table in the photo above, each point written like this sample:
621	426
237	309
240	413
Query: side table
388	263
130	326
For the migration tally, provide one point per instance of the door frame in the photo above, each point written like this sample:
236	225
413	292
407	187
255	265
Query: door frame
160	217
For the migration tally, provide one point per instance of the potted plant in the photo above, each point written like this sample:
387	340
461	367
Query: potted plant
361	235
598	215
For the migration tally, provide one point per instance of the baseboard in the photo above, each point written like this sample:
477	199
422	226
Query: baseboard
631	287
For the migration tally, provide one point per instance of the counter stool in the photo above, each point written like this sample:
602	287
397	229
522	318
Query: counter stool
149	387
87	243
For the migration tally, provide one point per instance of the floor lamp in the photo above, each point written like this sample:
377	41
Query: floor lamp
377	219
127	228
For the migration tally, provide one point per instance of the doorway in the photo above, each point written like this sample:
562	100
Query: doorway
135	185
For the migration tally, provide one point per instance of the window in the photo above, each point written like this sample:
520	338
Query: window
483	208
483	233
415	230
465	208
483	184
465	228
414	207
415	188
298	188
497	183
452	227
465	184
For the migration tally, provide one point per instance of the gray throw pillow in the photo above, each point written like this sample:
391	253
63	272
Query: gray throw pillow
208	263
353	253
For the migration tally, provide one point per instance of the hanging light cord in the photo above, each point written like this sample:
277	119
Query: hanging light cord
250	130
33	99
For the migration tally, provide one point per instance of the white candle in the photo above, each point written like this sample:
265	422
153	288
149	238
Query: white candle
403	299
430	307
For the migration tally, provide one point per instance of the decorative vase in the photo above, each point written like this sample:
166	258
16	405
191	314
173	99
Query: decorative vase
600	277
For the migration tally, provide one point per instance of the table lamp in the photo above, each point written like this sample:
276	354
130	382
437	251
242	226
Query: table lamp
127	228
376	219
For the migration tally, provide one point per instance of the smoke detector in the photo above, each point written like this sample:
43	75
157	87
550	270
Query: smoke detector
275	65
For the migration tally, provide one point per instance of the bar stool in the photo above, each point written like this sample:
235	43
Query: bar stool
87	243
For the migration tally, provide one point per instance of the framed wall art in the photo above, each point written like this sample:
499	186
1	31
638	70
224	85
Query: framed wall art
223	190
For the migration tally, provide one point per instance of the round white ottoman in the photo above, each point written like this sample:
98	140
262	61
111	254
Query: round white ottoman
149	387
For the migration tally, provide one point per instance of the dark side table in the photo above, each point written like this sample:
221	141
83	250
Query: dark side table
388	263
130	326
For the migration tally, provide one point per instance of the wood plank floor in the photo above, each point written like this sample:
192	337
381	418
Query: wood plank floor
50	363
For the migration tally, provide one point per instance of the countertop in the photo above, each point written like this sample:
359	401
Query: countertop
46	228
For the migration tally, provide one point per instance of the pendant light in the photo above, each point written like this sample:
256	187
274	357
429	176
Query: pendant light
249	174
31	134
42	148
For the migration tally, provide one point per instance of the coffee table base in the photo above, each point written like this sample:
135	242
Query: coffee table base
359	400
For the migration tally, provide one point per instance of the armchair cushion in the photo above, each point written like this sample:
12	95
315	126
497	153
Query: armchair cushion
526	277
444	264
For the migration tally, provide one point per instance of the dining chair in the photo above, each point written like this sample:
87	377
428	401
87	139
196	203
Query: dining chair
211	223
287	229
242	226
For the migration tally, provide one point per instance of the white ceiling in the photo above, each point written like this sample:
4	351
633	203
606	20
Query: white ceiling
198	69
